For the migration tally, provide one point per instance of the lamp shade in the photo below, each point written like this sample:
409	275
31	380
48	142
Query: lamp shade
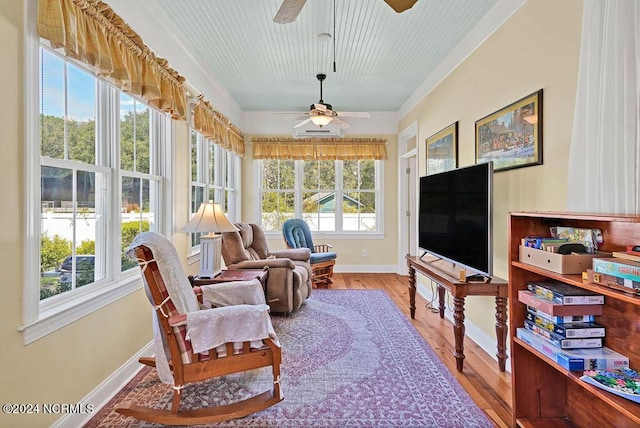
209	218
321	120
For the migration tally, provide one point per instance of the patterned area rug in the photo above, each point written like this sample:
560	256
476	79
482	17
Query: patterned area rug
350	359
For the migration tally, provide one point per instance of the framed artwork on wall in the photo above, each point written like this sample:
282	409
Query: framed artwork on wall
512	136
442	150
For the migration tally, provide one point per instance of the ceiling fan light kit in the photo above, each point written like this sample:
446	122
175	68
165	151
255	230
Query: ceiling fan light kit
321	113
321	120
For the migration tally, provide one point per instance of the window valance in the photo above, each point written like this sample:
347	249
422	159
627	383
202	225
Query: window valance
319	148
89	31
215	127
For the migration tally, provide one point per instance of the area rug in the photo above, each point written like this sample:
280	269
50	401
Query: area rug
351	358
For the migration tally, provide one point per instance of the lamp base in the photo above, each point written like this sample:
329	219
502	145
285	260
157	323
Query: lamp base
210	251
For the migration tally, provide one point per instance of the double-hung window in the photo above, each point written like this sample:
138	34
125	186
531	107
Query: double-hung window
332	196
101	175
214	177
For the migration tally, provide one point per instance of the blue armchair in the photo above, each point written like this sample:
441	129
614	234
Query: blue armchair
298	235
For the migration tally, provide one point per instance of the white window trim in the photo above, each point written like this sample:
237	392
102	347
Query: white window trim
43	318
378	234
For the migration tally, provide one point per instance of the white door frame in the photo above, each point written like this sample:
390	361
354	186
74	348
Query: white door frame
407	170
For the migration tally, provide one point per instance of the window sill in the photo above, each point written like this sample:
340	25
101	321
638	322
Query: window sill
57	316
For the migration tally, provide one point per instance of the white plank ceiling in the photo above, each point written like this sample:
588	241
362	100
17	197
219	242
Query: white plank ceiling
381	57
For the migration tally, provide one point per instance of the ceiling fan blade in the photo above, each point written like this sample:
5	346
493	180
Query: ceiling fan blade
363	114
341	123
401	5
304	122
289	11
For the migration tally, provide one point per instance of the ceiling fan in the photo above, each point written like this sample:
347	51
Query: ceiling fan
322	113
290	9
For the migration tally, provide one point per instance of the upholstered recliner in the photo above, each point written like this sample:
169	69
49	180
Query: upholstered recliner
297	234
289	280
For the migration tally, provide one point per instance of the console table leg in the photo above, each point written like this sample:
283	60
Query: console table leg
441	293
412	291
501	331
458	330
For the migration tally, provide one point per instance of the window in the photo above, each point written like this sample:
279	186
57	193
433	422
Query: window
312	190
213	177
359	195
101	158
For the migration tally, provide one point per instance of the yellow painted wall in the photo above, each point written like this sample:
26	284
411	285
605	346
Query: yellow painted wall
381	252
538	47
64	366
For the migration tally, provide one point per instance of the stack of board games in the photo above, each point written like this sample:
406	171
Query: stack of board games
560	323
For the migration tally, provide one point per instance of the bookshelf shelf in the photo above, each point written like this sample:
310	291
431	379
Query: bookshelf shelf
545	394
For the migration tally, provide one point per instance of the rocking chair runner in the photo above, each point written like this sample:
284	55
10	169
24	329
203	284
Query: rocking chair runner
186	329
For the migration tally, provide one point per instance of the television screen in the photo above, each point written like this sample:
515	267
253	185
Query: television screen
455	216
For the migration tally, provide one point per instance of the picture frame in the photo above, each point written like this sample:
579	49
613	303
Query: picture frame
512	136
442	150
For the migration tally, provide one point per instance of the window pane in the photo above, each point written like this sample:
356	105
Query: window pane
270	174
224	166
57	222
68	230
85	233
52	106
127	131
359	211
194	156
81	115
278	174
136	214
197	197
287	174
310	176
134	135
367	174
228	195
326	175
350	175
212	164
276	208
318	207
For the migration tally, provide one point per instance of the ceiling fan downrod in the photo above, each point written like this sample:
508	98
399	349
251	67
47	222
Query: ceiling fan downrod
321	77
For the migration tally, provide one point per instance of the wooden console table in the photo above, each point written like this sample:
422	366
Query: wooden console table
446	277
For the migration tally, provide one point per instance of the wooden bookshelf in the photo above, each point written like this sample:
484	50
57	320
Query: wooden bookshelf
545	394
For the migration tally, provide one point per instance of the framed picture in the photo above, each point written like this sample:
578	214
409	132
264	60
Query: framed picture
442	150
512	136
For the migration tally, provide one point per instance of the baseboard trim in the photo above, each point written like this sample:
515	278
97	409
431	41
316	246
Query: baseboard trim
106	390
472	331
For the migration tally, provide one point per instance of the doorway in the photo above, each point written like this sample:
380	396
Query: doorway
408	197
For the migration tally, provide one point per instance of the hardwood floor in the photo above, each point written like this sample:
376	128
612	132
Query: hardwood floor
489	388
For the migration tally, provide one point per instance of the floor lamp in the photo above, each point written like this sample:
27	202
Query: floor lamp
210	219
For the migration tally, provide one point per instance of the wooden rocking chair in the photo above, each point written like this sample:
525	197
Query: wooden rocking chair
187	363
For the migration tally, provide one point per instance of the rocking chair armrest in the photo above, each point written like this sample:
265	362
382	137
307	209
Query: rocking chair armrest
296	254
177	320
322	248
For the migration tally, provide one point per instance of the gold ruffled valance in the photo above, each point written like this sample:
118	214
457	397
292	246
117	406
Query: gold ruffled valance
319	148
89	31
217	128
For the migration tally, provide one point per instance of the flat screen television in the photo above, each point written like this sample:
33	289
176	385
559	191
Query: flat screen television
455	217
